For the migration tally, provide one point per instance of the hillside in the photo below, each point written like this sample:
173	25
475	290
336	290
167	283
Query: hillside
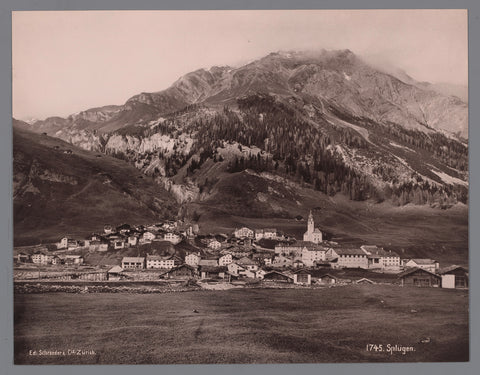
57	193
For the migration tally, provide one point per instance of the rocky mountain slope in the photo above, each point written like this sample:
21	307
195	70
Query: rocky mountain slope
325	121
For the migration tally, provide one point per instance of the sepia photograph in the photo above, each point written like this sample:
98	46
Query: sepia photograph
240	186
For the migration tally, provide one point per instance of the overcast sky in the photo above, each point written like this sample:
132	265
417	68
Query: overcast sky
64	62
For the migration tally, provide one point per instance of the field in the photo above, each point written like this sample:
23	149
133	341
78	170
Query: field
244	326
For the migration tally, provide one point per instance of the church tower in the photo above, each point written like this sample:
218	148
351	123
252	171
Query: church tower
311	224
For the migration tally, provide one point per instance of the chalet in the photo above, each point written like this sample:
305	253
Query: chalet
118	244
73	259
270	233
22	258
282	261
225	260
183	271
364	280
192	259
425	264
298	264
302	277
247	263
132	240
148	236
155	261
208	272
259	234
98	246
108	229
214	244
235	269
56	260
378	258
174	238
419	277
133	263
277	276
115	273
124	228
454	277
244	232
41	258
347	258
327	279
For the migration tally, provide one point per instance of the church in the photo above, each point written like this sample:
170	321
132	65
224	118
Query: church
312	234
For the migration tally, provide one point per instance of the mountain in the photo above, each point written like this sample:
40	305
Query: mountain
288	132
60	189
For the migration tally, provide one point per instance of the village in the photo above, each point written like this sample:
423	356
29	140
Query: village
264	256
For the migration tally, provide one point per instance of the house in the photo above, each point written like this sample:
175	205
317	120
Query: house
118	244
22	258
172	237
378	258
124	228
73	259
277	276
247	263
327	279
209	272
148	236
312	234
155	261
235	269
132	240
298	264
98	246
41	258
282	261
454	277
313	254
364	280
56	260
290	249
426	264
133	263
192	259
244	232
183	271
348	258
302	277
258	234
115	273
225	260
214	244
270	233
108	229
419	277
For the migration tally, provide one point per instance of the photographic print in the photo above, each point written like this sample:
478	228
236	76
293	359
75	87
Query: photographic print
240	187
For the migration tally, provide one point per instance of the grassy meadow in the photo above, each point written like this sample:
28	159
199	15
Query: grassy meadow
243	326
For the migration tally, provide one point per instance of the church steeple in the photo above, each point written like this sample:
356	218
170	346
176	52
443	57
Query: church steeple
311	224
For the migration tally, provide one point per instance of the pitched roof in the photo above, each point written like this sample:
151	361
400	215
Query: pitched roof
115	269
133	259
415	269
423	261
350	251
451	268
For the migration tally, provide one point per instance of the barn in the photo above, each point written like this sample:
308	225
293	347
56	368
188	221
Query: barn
419	277
327	279
454	277
277	276
181	272
302	277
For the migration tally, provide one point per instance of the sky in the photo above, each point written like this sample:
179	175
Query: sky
67	61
